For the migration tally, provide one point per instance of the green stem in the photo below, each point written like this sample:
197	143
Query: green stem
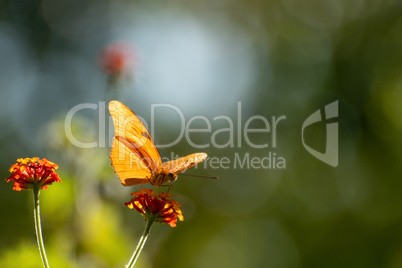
38	227
140	245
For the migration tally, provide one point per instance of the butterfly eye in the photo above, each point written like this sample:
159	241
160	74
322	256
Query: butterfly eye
171	177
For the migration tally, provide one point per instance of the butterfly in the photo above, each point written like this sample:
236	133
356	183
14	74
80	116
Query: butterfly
134	156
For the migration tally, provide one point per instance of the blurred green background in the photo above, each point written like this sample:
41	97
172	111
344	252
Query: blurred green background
279	57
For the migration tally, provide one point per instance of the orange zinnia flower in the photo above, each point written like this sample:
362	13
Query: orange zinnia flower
28	172
154	207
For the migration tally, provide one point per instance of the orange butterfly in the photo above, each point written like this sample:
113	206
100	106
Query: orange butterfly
135	158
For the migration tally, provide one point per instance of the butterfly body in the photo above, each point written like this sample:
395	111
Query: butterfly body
160	179
134	156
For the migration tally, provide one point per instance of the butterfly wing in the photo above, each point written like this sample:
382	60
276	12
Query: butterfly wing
181	164
132	145
128	166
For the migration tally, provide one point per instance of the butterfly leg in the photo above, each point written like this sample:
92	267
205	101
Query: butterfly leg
141	185
170	187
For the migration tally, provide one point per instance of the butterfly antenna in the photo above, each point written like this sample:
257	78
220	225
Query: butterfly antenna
208	177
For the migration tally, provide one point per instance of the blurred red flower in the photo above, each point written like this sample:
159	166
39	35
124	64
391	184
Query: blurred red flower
117	58
28	172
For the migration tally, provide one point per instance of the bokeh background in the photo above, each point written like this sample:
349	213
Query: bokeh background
275	57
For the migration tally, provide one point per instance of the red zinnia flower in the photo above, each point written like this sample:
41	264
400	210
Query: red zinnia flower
28	172
117	58
154	207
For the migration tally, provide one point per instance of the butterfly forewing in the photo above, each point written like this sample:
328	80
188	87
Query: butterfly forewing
130	131
128	166
183	163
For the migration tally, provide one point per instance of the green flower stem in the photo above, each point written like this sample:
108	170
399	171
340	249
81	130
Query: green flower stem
38	227
140	245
